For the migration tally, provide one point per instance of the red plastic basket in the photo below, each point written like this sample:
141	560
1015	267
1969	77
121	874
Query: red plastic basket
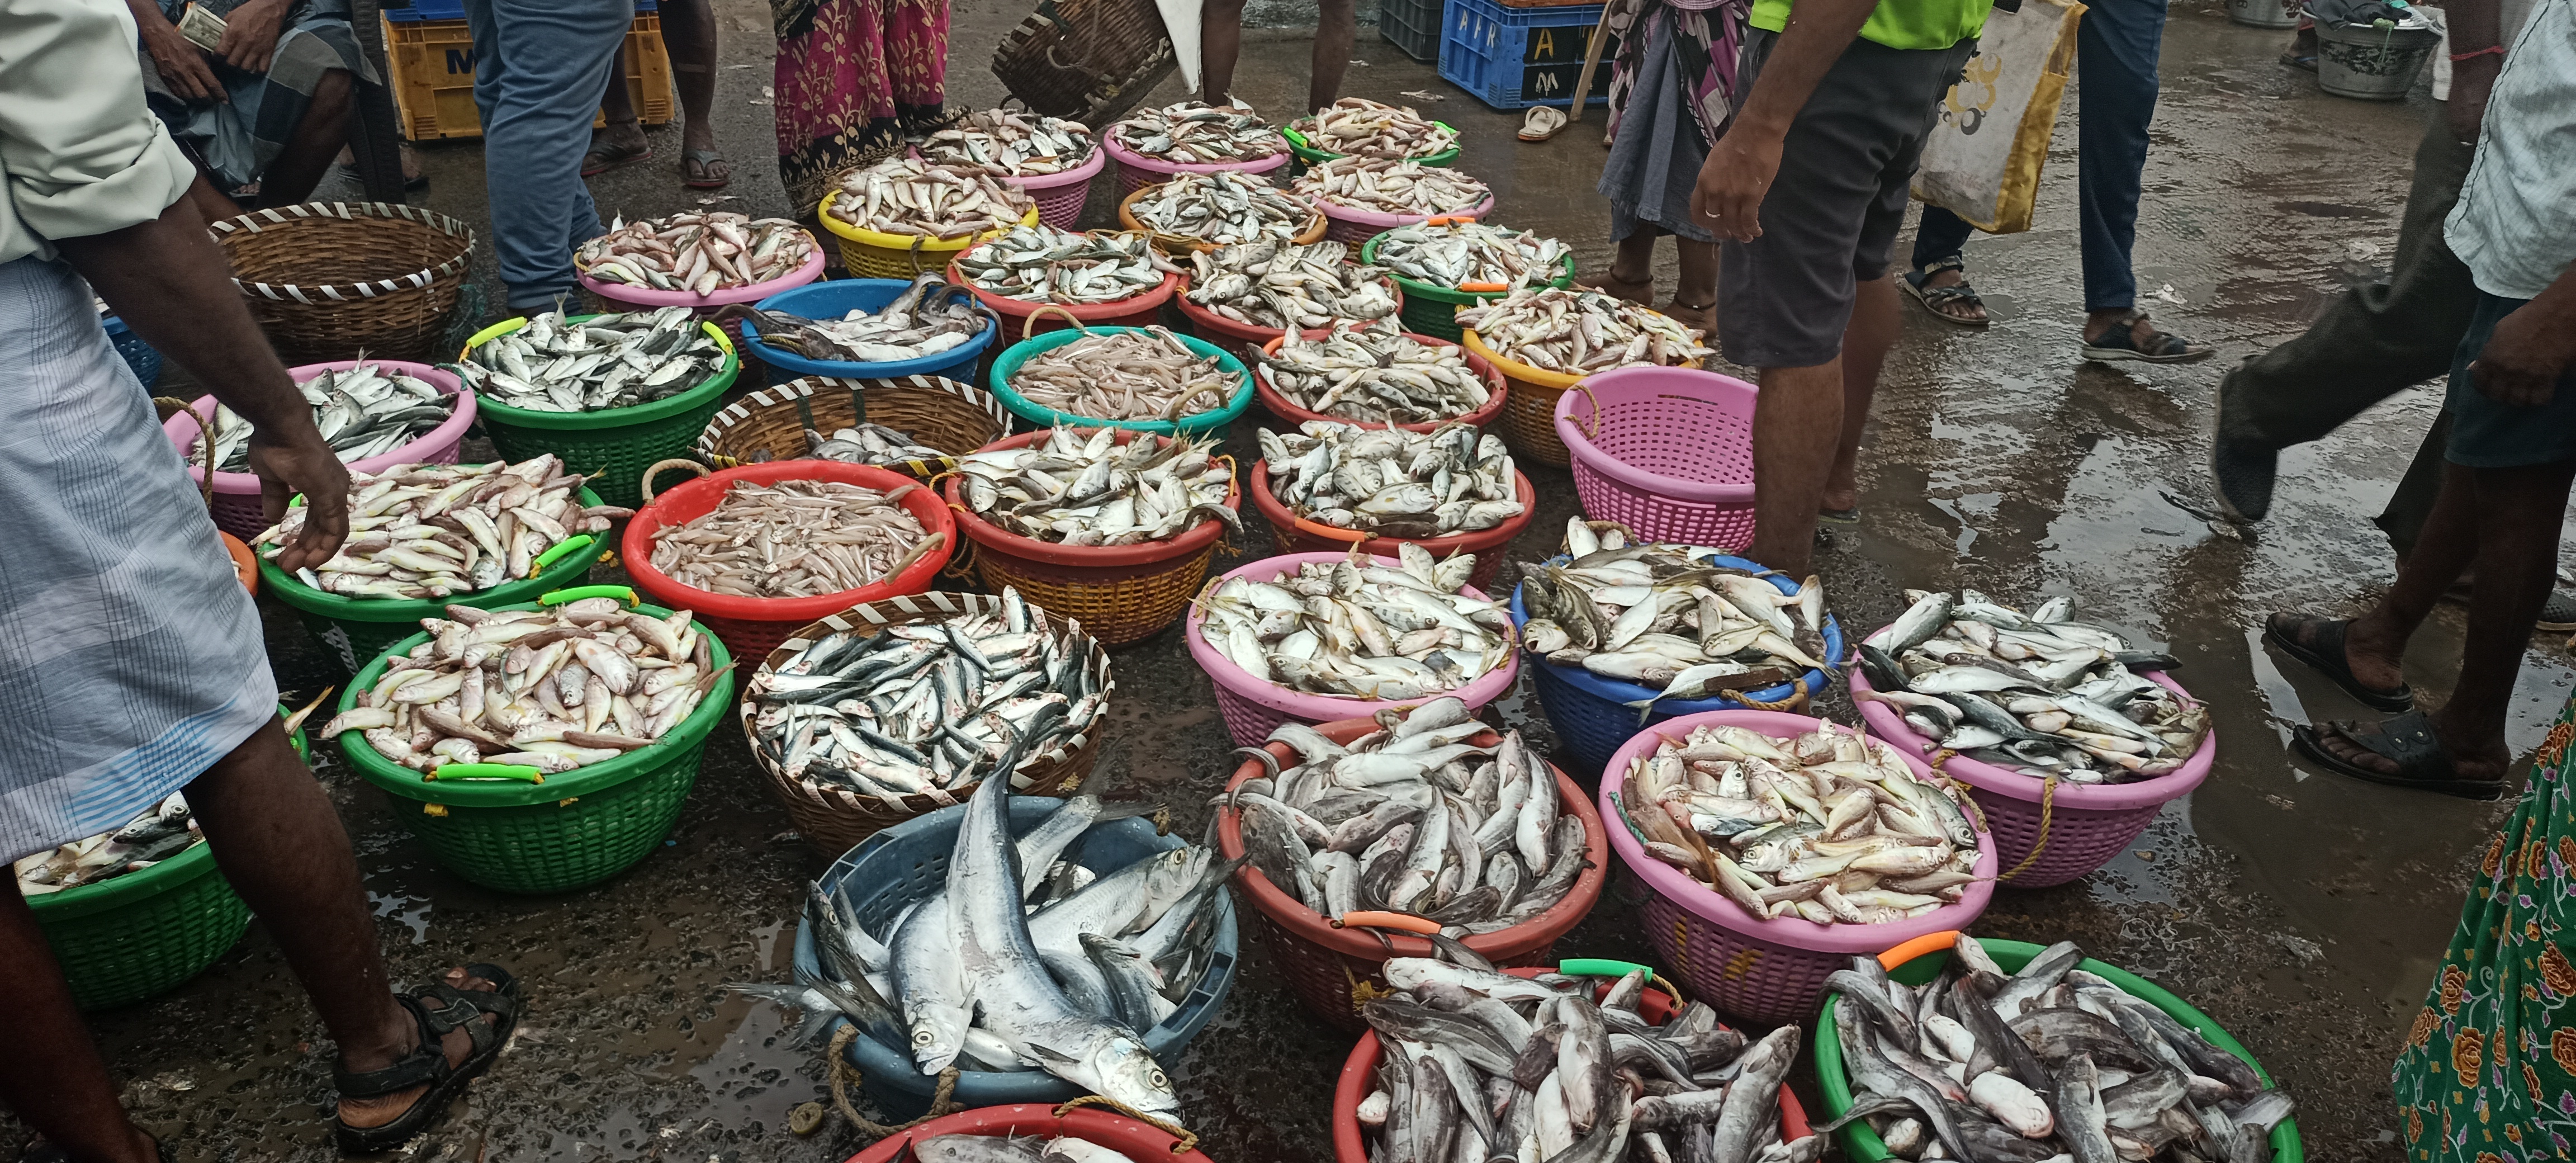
1138	1141
1295	534
1141	310
1666	451
2087	824
1279	406
1120	593
1360	1069
237	508
1325	965
752	627
1136	171
1770	970
1241	340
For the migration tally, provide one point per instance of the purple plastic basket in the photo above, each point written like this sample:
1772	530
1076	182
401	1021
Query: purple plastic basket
1136	171
1060	196
1355	225
1666	451
1770	970
2087	823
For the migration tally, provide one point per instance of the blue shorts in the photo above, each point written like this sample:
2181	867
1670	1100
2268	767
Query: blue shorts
2486	434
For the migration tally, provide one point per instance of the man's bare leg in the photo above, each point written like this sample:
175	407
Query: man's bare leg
52	1076
1220	42
1337	24
316	141
1866	340
1795	426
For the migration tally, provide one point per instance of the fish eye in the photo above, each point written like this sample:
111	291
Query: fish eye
1157	1079
922	1037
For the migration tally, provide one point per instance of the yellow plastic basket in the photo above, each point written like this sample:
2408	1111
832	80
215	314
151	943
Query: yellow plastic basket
875	254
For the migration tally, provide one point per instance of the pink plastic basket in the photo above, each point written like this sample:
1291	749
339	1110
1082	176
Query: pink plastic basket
624	297
1136	171
2086	823
1771	970
1253	708
1060	196
1351	224
1666	451
237	508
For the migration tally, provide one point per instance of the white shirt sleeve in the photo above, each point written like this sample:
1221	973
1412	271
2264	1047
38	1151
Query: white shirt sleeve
79	151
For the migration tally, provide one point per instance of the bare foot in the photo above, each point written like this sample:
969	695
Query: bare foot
616	144
2372	664
456	1044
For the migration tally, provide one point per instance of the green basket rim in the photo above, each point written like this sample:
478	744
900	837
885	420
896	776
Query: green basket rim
1310	155
664	408
1439	294
286	588
1193	424
167	876
1863	1144
590	780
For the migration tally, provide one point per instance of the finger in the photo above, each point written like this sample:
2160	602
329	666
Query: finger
329	519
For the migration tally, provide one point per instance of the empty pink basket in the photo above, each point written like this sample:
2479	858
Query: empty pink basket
2086	823
1059	196
1767	970
1137	171
238	509
1666	451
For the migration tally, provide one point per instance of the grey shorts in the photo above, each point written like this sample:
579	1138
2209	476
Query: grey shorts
1832	215
2486	434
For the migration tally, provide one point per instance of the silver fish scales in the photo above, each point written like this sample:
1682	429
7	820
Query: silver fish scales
1577	332
1223	207
1271	283
1390	186
1146	374
1365	631
1194	133
903	195
557	364
1471	255
363	411
700	252
1043	264
1073	489
1664	616
869	444
1378	480
438	530
1010	143
159	833
1359	127
1376	373
794	539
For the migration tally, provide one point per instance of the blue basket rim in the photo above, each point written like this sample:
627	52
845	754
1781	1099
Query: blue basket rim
1193	424
864	290
1618	691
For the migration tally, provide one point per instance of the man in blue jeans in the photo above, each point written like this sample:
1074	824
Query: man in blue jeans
540	69
2116	46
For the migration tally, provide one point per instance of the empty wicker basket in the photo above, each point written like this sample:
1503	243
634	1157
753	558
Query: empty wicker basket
328	280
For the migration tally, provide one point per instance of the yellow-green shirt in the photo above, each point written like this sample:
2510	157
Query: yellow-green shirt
1909	24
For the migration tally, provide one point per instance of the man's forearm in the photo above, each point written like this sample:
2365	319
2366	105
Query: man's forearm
1818	32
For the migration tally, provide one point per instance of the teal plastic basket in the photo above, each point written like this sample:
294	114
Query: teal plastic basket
1197	424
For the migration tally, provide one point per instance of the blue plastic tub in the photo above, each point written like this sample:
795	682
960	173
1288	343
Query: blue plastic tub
1588	711
839	297
1196	424
1512	58
903	863
144	358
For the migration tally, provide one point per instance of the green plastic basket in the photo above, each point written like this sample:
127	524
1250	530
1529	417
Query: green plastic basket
1431	309
1862	1145
1195	424
617	444
357	629
140	935
1308	155
575	829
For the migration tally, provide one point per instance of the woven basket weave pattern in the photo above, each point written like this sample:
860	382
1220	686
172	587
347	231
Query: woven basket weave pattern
546	848
326	280
770	424
1117	604
1529	421
123	955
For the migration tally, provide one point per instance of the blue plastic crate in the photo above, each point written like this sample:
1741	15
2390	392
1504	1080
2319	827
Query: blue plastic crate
420	10
1513	58
141	356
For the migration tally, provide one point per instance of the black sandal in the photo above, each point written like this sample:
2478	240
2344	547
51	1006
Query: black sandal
1936	298
2120	342
2326	657
2423	763
458	1009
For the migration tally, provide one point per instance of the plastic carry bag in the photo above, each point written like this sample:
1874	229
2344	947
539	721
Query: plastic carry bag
1982	161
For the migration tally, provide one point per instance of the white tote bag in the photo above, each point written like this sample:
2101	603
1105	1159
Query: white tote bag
1982	161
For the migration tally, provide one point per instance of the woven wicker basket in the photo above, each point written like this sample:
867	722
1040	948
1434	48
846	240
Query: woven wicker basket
1089	60
770	424
328	280
832	819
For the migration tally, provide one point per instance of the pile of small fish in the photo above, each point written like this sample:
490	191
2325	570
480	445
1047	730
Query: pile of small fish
1472	256
1010	143
1393	482
1043	264
558	364
1382	823
1012	1149
1270	282
1145	374
1024	958
1830	826
1375	631
1359	127
1072	489
2039	693
1223	207
935	703
873	444
929	317
702	251
362	411
1194	133
166	830
437	530
1579	332
794	539
1484	1065
1391	186
1662	616
2051	1063
903	195
1375	373
553	689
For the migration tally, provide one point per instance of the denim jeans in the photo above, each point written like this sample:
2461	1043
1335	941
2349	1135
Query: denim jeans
540	70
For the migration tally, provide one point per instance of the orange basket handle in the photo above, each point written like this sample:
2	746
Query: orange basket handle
1927	943
1446	219
1484	288
1381	920
1330	532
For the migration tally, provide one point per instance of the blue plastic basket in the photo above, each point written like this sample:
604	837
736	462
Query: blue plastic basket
839	297
144	358
1513	58
1588	711
1198	424
903	863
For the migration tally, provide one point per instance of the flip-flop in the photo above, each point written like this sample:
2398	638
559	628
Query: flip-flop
2326	657
600	159
1541	123
704	158
458	1009
2423	763
1850	516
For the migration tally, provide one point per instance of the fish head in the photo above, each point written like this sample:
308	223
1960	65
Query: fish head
938	1033
1121	1068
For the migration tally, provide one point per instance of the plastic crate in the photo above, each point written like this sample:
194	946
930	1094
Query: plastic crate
1513	58
433	74
1411	25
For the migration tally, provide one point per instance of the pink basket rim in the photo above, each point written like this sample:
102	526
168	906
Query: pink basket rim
1641	379
807	272
1885	723
1081	172
1791	932
181	428
1491	685
1385	221
1134	160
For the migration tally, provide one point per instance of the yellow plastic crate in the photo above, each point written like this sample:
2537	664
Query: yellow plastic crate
433	76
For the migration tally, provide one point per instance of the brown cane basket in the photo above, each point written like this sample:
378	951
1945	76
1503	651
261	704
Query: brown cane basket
937	412
328	280
833	819
1089	60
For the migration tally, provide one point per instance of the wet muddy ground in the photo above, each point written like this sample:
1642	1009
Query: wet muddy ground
2302	910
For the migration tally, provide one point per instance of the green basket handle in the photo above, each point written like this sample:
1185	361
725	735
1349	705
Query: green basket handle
564	548
518	771
1603	967
622	593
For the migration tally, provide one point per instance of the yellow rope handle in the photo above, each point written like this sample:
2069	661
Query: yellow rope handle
1183	1140
1796	699
844	1074
2047	815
